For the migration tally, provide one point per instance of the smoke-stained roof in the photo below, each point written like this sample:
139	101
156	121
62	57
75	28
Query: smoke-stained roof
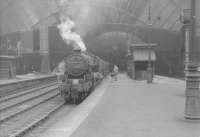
18	15
164	14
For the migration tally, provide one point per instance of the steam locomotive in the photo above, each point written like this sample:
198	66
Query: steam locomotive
83	72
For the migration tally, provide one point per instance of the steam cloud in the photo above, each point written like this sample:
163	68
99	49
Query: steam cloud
86	14
68	35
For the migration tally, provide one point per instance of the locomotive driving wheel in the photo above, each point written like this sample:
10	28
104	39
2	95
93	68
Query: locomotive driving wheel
67	96
75	98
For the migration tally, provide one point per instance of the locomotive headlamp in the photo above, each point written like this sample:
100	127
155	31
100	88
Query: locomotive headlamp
75	81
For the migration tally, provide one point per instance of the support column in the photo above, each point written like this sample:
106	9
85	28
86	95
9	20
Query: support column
192	106
44	50
149	67
187	30
133	69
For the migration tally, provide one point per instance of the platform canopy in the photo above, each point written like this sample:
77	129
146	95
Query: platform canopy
143	51
143	55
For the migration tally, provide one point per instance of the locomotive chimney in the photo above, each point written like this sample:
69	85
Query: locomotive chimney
76	50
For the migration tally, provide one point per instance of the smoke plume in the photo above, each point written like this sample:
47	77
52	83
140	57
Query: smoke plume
69	36
89	14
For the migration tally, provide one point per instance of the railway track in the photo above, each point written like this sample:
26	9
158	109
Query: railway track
21	112
19	100
25	91
25	88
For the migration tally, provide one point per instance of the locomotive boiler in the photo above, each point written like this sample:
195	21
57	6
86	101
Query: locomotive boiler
83	72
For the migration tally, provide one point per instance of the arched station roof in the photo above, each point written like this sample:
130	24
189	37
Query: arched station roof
164	14
16	15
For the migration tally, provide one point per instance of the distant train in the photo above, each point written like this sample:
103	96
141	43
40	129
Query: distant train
82	72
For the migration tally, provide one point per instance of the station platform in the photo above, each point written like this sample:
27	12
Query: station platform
24	77
129	108
22	82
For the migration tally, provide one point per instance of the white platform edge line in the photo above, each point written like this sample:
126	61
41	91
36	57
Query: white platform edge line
77	116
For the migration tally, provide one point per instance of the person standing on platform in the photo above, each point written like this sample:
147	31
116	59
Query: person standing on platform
19	44
115	71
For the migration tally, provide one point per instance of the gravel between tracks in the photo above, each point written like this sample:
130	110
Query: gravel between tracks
21	99
8	114
36	132
20	121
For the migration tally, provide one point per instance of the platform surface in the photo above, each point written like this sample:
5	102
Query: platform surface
131	108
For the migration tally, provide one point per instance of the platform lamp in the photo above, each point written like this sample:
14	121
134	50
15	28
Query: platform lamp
149	67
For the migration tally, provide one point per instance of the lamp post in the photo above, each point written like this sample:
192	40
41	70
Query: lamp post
149	67
192	103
